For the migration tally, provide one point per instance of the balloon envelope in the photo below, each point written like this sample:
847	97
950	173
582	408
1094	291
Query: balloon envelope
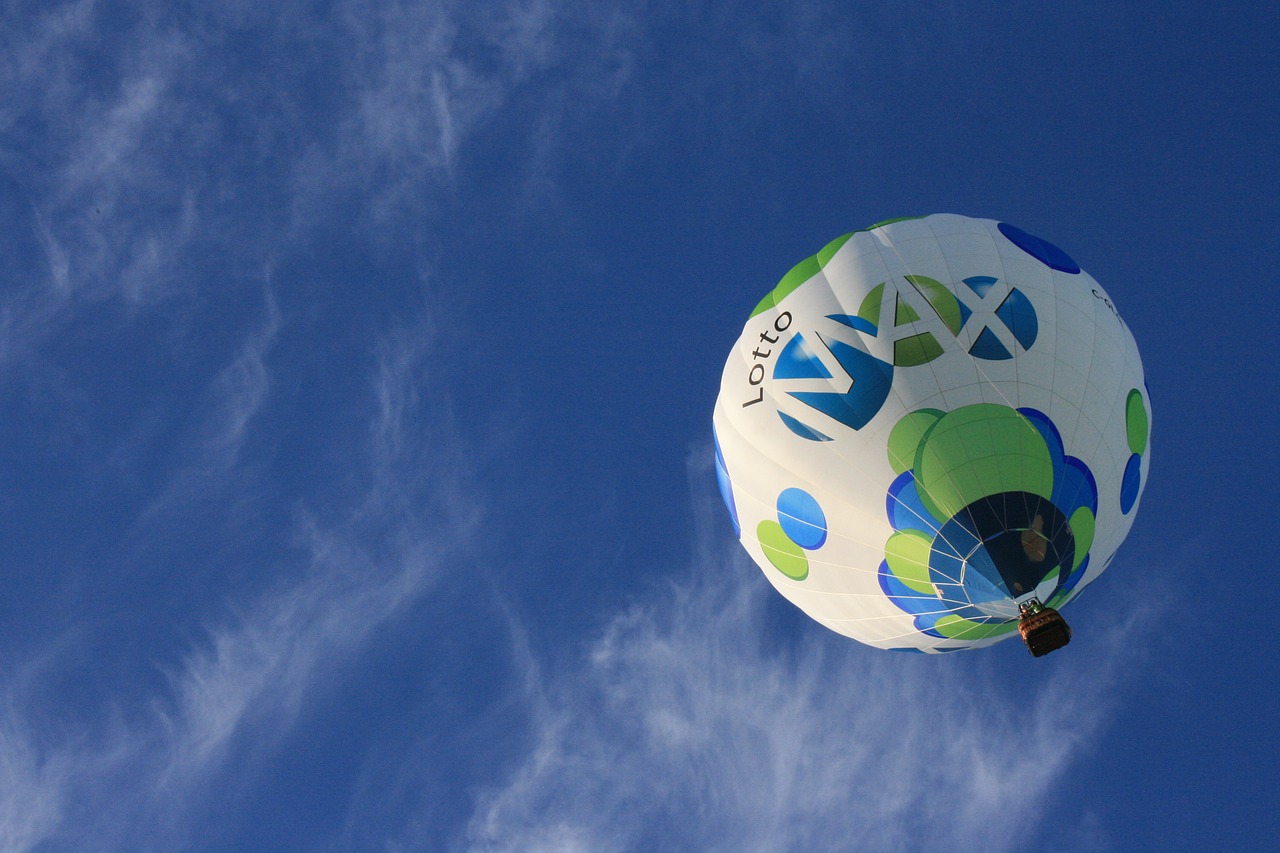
928	423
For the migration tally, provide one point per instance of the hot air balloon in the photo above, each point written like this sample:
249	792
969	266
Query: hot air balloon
933	434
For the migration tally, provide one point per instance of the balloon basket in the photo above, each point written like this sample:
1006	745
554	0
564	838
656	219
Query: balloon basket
1042	628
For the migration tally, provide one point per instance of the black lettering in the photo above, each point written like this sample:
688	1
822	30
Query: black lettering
1106	302
780	324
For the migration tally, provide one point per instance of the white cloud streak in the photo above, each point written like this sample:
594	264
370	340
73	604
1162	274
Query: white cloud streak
96	145
143	153
34	785
242	388
256	670
110	137
425	79
134	783
692	725
106	185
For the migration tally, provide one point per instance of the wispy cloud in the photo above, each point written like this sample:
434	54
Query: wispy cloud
241	388
100	145
113	124
135	780
416	95
140	151
104	165
423	79
361	573
33	784
694	724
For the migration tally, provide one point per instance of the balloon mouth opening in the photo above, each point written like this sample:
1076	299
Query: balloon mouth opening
999	549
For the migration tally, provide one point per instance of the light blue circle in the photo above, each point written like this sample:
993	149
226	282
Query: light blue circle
802	519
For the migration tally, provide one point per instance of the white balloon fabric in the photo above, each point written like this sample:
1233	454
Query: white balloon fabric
928	423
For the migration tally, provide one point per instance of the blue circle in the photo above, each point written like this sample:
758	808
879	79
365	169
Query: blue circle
905	509
802	519
726	486
1042	250
1130	483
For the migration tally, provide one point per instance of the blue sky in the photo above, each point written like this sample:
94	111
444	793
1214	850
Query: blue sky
356	371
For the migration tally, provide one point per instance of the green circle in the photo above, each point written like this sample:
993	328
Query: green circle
1135	417
905	437
957	628
785	555
1082	524
907	554
981	450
